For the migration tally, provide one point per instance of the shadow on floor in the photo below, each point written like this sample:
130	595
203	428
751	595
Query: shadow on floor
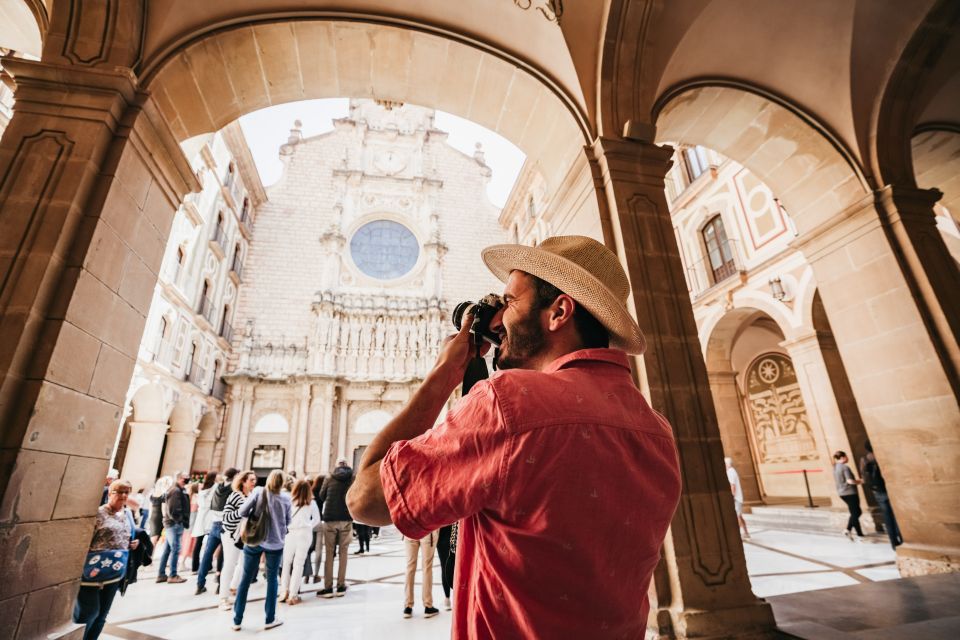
921	607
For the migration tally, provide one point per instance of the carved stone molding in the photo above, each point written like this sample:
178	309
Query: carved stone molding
551	10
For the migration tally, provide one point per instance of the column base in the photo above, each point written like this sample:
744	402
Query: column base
751	622
921	560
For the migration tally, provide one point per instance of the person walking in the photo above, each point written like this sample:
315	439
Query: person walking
847	490
737	490
337	528
871	476
268	502
157	498
202	521
242	486
107	560
305	517
218	502
423	547
176	518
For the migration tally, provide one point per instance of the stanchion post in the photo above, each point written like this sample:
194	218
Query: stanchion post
806	482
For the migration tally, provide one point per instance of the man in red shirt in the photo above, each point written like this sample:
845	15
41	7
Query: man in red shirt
563	478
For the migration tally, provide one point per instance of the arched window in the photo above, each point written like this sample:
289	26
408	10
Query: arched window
719	253
181	260
162	338
220	233
245	210
695	160
237	265
226	331
206	304
189	367
231	175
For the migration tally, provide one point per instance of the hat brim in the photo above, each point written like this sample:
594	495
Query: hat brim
575	281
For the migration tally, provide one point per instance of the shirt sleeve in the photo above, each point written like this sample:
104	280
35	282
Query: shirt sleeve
450	472
247	505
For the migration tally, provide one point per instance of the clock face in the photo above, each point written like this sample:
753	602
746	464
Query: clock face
390	161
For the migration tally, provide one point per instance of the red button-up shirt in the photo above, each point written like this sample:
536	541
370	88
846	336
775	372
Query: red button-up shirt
566	481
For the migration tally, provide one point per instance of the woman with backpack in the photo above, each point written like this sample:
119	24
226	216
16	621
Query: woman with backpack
305	517
267	514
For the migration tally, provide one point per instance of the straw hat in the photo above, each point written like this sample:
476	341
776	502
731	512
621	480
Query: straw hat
585	270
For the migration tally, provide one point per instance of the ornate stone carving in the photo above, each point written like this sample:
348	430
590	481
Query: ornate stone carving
552	10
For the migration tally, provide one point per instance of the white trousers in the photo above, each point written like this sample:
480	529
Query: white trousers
295	550
232	568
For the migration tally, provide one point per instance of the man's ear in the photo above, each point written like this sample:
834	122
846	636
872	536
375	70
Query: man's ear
561	312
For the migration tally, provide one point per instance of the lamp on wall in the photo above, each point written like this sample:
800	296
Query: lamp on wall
776	288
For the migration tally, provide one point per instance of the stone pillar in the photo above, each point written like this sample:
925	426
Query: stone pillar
178	456
143	453
317	422
329	416
733	432
243	458
702	588
823	411
300	455
294	428
342	427
890	289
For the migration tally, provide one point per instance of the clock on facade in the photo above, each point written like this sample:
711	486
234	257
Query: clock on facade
384	249
390	161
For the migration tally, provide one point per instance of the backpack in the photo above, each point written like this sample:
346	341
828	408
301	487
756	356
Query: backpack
253	528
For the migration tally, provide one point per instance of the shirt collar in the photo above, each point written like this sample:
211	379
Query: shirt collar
609	356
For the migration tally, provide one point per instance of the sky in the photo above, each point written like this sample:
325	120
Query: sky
268	128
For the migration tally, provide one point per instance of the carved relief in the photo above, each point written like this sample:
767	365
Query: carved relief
552	10
781	427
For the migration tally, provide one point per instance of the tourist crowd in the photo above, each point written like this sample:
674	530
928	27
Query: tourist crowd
226	526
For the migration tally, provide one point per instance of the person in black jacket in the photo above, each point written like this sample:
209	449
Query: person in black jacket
870	472
176	518
337	527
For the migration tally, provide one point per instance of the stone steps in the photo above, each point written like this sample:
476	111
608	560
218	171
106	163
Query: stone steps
823	519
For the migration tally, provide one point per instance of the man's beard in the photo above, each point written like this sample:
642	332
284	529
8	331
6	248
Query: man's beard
523	342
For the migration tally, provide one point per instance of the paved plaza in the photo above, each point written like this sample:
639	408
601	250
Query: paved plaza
779	562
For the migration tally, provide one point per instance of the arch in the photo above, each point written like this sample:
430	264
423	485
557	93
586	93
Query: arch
935	153
214	76
923	87
25	24
271	423
811	172
372	421
149	404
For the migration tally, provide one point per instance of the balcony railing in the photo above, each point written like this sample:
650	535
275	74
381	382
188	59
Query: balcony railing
237	267
703	276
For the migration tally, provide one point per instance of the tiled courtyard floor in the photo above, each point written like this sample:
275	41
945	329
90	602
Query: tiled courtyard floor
779	562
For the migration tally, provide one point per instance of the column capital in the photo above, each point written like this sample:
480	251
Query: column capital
631	160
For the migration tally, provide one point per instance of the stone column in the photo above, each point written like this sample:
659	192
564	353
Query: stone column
292	437
178	456
733	432
143	453
243	435
890	290
342	427
317	423
300	454
823	411
240	395
329	415
90	179
702	588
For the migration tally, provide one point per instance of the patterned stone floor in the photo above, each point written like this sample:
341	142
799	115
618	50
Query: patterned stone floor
779	562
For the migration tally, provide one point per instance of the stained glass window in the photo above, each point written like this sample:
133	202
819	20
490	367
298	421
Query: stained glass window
384	249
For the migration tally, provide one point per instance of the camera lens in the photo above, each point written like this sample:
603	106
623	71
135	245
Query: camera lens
459	312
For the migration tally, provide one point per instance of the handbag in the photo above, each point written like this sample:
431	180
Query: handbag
109	565
253	528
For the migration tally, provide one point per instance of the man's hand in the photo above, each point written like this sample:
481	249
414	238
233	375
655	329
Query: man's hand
457	352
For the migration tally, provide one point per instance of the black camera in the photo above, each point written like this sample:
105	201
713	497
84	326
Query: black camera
483	313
